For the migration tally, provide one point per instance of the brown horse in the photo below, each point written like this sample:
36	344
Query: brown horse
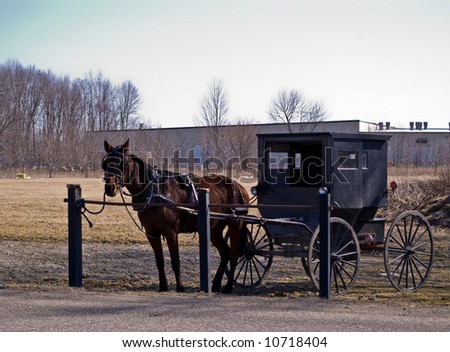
148	185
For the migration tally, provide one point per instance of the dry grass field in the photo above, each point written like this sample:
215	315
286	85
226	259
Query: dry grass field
33	211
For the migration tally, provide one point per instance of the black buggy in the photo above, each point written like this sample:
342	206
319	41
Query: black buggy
292	168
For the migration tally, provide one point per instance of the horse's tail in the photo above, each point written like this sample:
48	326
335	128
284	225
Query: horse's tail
239	195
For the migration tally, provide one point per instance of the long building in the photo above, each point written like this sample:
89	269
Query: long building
416	145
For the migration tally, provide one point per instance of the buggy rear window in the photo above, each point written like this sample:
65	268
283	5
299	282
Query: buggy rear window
278	160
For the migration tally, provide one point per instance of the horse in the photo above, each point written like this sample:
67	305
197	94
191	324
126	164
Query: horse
147	185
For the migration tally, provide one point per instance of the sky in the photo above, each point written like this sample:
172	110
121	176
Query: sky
380	60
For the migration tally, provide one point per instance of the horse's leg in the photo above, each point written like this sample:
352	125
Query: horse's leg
235	238
172	243
219	242
159	256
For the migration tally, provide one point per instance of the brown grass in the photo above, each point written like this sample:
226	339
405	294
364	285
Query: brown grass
34	210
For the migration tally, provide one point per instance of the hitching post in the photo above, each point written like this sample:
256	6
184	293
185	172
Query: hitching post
205	235
324	237
75	249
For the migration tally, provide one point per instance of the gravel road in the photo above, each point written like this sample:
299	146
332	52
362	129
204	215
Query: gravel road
81	310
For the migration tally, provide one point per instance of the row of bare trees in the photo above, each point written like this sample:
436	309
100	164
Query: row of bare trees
45	119
48	120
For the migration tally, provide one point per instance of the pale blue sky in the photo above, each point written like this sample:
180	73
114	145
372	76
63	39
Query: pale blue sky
381	60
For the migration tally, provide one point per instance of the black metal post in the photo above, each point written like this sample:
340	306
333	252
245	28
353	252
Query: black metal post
75	248
324	237
205	235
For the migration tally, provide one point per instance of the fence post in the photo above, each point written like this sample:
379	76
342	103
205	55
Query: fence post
324	237
205	235
75	248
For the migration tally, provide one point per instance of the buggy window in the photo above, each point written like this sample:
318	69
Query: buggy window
348	160
278	160
298	160
294	164
365	160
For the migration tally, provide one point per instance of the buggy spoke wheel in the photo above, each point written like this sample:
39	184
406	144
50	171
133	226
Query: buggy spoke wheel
345	255
255	256
305	266
409	251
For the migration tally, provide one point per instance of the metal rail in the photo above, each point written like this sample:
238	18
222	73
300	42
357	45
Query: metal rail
194	206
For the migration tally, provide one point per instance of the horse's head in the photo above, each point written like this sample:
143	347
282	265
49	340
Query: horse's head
116	165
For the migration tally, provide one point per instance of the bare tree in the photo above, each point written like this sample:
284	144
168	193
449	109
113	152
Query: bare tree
240	138
315	112
99	95
213	113
240	145
291	107
128	105
287	107
214	106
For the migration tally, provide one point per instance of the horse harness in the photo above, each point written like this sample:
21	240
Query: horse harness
155	191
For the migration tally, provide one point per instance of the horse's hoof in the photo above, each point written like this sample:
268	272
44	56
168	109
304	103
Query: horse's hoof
163	289
227	289
181	289
215	288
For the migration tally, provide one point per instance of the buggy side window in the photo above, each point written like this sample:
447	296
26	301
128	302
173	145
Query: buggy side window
348	160
365	160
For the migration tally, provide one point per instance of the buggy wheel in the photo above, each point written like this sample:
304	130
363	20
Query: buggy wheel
409	251
305	266
345	255
255	256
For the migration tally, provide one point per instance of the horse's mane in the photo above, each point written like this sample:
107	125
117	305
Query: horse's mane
147	172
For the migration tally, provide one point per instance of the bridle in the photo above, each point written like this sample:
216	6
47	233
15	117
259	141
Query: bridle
124	165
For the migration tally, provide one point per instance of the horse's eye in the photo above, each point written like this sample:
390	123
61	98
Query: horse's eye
103	164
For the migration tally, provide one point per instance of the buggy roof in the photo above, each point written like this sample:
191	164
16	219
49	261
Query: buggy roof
333	135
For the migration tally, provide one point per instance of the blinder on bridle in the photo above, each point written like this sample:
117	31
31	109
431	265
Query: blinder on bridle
115	164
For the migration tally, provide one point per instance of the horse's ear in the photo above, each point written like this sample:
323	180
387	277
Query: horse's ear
108	147
126	146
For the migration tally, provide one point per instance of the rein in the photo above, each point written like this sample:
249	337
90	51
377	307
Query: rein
84	210
140	228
